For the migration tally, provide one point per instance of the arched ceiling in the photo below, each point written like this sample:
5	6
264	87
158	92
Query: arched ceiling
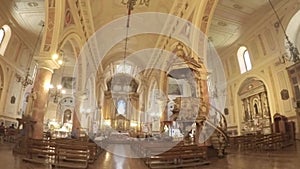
105	11
231	19
24	16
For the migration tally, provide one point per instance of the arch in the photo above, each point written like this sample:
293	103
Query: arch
1	80
74	38
254	105
2	34
76	43
293	29
6	37
65	112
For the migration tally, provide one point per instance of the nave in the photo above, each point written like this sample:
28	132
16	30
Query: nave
287	158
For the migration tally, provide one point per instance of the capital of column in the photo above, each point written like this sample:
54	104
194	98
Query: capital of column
45	61
80	95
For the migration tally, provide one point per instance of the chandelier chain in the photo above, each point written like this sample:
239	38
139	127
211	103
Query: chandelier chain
294	53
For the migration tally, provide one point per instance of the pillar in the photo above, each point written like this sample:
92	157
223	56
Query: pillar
163	86
76	121
77	114
42	78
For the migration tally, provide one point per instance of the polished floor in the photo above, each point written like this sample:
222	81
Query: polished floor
288	158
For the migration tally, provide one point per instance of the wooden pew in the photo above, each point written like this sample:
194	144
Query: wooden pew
72	156
66	153
40	151
259	142
179	156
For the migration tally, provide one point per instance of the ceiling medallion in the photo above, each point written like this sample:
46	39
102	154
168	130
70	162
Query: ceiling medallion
237	6
32	4
221	23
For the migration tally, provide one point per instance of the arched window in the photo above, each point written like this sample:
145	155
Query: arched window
244	59
5	34
124	68
2	34
121	107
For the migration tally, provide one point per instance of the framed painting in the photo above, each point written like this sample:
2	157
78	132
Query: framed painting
68	82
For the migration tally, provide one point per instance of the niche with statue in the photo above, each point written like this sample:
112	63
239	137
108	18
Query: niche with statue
61	126
255	107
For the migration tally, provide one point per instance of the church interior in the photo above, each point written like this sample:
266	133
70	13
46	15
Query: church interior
121	84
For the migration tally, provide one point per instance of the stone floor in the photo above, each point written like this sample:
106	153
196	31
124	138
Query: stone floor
287	158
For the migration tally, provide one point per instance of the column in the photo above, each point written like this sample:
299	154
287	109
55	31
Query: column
248	109
163	98
202	92
43	78
77	114
261	105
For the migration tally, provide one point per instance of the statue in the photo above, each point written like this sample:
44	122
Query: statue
30	99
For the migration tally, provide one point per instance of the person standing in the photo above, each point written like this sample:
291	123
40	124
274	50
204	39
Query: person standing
2	132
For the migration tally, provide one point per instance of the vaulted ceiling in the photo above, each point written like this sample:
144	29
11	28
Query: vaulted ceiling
232	18
230	21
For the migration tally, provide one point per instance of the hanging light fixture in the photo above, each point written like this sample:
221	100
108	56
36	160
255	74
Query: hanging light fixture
130	6
27	80
293	51
131	3
57	92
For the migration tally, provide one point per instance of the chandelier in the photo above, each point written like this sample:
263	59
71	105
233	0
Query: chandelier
25	81
56	92
130	6
293	51
131	3
28	80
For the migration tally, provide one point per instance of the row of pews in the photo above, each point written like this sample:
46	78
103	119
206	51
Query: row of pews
66	153
272	141
158	154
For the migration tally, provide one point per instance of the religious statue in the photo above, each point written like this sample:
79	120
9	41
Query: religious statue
30	99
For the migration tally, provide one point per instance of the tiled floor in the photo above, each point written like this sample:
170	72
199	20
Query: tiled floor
284	159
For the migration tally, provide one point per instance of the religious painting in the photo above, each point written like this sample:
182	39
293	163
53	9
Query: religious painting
68	82
67	116
284	94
